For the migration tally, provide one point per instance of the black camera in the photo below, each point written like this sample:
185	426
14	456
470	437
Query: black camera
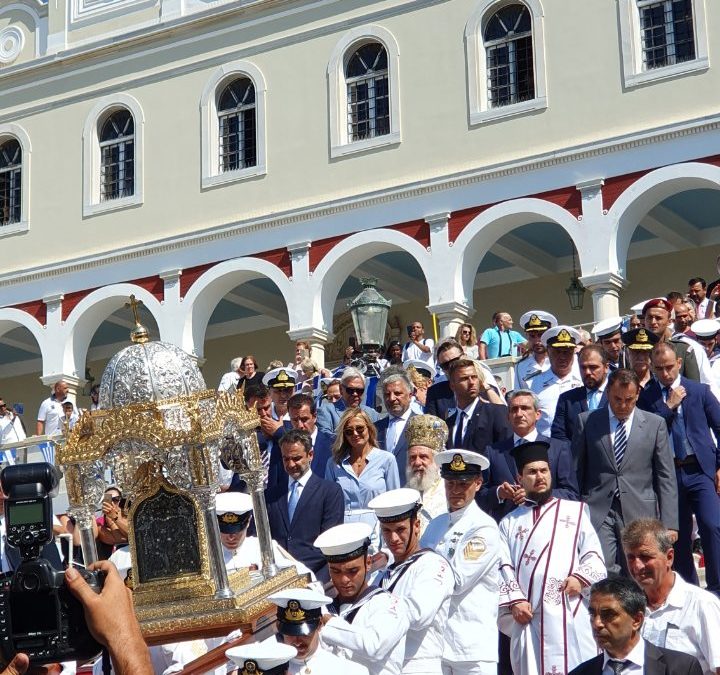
38	614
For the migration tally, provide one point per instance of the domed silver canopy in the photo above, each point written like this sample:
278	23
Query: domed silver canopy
148	371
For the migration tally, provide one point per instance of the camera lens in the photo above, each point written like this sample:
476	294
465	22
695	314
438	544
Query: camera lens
30	582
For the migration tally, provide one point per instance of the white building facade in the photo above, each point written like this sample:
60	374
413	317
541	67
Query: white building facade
237	164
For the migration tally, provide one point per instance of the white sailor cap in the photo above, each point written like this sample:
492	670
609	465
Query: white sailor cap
396	505
423	367
268	657
280	378
459	464
607	327
561	336
231	509
299	610
344	542
537	320
705	328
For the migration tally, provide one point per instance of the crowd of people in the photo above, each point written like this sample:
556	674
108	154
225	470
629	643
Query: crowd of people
453	524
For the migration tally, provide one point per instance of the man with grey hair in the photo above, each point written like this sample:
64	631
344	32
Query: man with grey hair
352	392
397	392
501	493
680	615
229	381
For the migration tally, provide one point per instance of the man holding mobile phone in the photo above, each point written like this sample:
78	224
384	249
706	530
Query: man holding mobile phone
418	347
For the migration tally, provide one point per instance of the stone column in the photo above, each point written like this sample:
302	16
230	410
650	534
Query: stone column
450	316
605	289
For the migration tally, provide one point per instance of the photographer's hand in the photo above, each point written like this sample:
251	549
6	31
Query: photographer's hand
111	619
17	666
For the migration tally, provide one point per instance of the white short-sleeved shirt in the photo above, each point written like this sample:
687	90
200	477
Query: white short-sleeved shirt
688	622
51	413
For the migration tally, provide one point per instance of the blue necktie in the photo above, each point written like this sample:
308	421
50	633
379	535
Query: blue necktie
677	431
293	499
620	444
459	429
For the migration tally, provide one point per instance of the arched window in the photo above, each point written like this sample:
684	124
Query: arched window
508	41
237	135
116	135
666	31
10	182
368	103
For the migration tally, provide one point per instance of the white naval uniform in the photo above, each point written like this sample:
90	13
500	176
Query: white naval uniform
370	632
425	581
324	662
528	368
547	387
703	362
541	547
470	540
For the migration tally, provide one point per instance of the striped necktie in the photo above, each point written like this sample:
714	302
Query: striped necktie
620	444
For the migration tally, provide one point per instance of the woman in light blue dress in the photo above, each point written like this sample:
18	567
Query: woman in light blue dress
360	468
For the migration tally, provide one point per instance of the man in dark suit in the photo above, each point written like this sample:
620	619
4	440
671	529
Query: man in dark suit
690	410
305	507
476	423
440	398
617	610
624	466
397	391
302	410
500	492
591	396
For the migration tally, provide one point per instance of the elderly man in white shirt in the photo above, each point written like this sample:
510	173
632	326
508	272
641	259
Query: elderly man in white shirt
679	616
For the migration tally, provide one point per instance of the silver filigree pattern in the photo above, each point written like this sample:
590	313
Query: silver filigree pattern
150	371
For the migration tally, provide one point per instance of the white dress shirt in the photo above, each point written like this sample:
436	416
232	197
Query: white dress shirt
463	416
301	483
688	622
396	426
635	660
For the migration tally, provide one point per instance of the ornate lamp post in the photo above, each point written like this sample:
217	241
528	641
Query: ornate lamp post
575	291
369	312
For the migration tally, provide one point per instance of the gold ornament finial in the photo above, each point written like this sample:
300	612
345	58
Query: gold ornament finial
139	334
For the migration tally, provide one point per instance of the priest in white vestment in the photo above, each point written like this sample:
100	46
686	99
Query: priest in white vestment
550	554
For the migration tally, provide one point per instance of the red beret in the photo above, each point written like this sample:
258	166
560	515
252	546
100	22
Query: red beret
662	303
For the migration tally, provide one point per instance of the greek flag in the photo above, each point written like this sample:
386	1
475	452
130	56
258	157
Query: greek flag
48	451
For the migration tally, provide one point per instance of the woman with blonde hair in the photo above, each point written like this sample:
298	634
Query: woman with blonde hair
467	337
360	468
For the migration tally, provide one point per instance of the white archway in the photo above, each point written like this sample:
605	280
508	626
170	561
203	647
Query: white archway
86	317
646	193
483	231
207	291
347	255
11	318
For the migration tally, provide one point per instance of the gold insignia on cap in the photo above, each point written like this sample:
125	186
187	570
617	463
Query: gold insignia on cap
251	668
458	463
564	336
230	518
642	336
294	612
534	322
474	549
282	376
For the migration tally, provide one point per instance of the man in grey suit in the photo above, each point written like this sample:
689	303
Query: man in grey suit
397	390
624	466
